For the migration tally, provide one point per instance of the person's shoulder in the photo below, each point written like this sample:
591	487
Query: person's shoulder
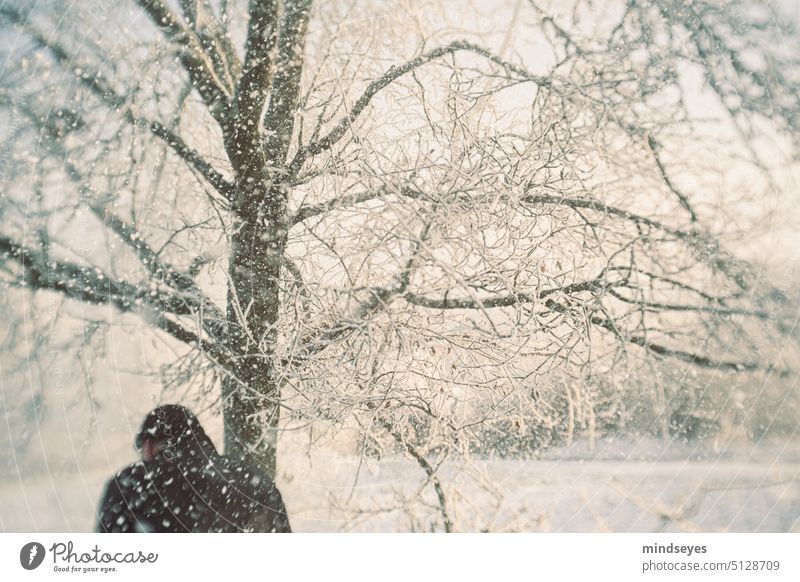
134	471
247	498
135	474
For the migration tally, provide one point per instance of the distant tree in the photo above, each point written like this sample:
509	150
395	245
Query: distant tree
358	213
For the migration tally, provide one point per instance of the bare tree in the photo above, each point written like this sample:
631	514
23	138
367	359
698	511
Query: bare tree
421	232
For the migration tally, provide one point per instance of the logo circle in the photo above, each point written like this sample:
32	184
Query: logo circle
31	555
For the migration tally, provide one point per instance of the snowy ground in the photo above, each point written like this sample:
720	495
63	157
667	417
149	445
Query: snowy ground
621	487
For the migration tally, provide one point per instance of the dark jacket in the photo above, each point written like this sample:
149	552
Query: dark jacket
219	496
189	487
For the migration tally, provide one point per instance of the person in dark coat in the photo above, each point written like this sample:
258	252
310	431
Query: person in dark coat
182	484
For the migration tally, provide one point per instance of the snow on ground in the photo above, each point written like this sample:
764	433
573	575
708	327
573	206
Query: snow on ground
620	487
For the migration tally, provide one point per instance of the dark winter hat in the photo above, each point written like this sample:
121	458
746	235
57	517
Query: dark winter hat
174	425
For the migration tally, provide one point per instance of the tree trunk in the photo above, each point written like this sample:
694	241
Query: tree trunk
251	394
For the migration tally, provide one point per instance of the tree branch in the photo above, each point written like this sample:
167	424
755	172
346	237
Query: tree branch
129	234
653	306
705	247
214	38
606	209
503	301
212	176
90	285
306	212
386	79
103	89
429	470
380	298
252	91
662	350
179	332
193	57
279	120
655	148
